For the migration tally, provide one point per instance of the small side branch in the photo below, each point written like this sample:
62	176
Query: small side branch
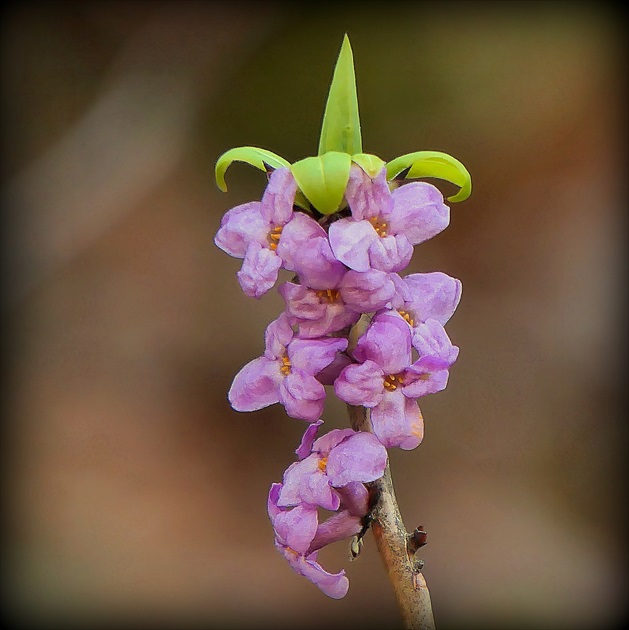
395	545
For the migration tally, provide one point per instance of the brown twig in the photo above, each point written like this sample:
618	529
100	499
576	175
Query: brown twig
395	545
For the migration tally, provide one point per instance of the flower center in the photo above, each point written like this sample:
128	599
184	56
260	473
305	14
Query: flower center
274	237
379	226
392	381
285	367
323	462
408	317
328	295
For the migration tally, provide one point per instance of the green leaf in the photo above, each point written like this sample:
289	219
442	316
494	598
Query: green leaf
433	164
251	155
323	179
371	164
340	130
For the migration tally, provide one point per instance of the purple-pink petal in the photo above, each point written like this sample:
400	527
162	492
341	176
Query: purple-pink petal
351	241
240	226
433	295
277	336
367	291
256	386
360	457
306	482
305	446
312	355
259	270
431	340
328	375
390	253
302	395
296	527
397	421
279	196
361	384
387	342
330	440
418	212
368	197
429	375
334	585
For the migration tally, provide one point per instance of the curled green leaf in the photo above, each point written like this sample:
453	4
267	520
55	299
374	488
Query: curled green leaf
251	155
433	164
340	130
323	179
371	164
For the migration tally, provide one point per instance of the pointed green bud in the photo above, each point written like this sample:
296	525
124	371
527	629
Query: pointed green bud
323	179
340	130
260	158
433	164
371	164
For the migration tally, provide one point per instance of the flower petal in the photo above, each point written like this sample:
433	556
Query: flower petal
390	253
277	336
431	340
361	384
361	457
256	385
302	396
426	376
418	212
296	527
334	585
433	295
387	342
367	291
279	196
368	197
240	226
330	440
312	355
350	241
305	482
305	447
259	270
397	421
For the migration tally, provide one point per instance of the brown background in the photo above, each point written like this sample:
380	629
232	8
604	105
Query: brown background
133	494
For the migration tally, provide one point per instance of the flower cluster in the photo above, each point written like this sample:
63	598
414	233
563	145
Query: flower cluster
345	265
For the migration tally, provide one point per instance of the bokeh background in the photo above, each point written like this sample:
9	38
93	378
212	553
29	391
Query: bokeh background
133	496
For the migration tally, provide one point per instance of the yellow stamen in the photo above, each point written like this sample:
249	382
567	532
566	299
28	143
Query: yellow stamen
392	381
329	295
380	227
323	462
274	237
408	317
285	367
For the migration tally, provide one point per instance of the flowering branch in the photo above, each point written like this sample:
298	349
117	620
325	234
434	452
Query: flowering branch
345	224
396	546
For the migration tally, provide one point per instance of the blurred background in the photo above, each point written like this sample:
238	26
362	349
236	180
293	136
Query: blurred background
133	496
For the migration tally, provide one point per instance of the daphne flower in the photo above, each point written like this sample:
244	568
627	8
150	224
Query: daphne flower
334	460
286	373
389	382
385	225
422	296
295	529
322	311
267	234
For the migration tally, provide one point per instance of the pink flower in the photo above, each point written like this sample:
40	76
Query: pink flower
388	381
286	373
385	225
